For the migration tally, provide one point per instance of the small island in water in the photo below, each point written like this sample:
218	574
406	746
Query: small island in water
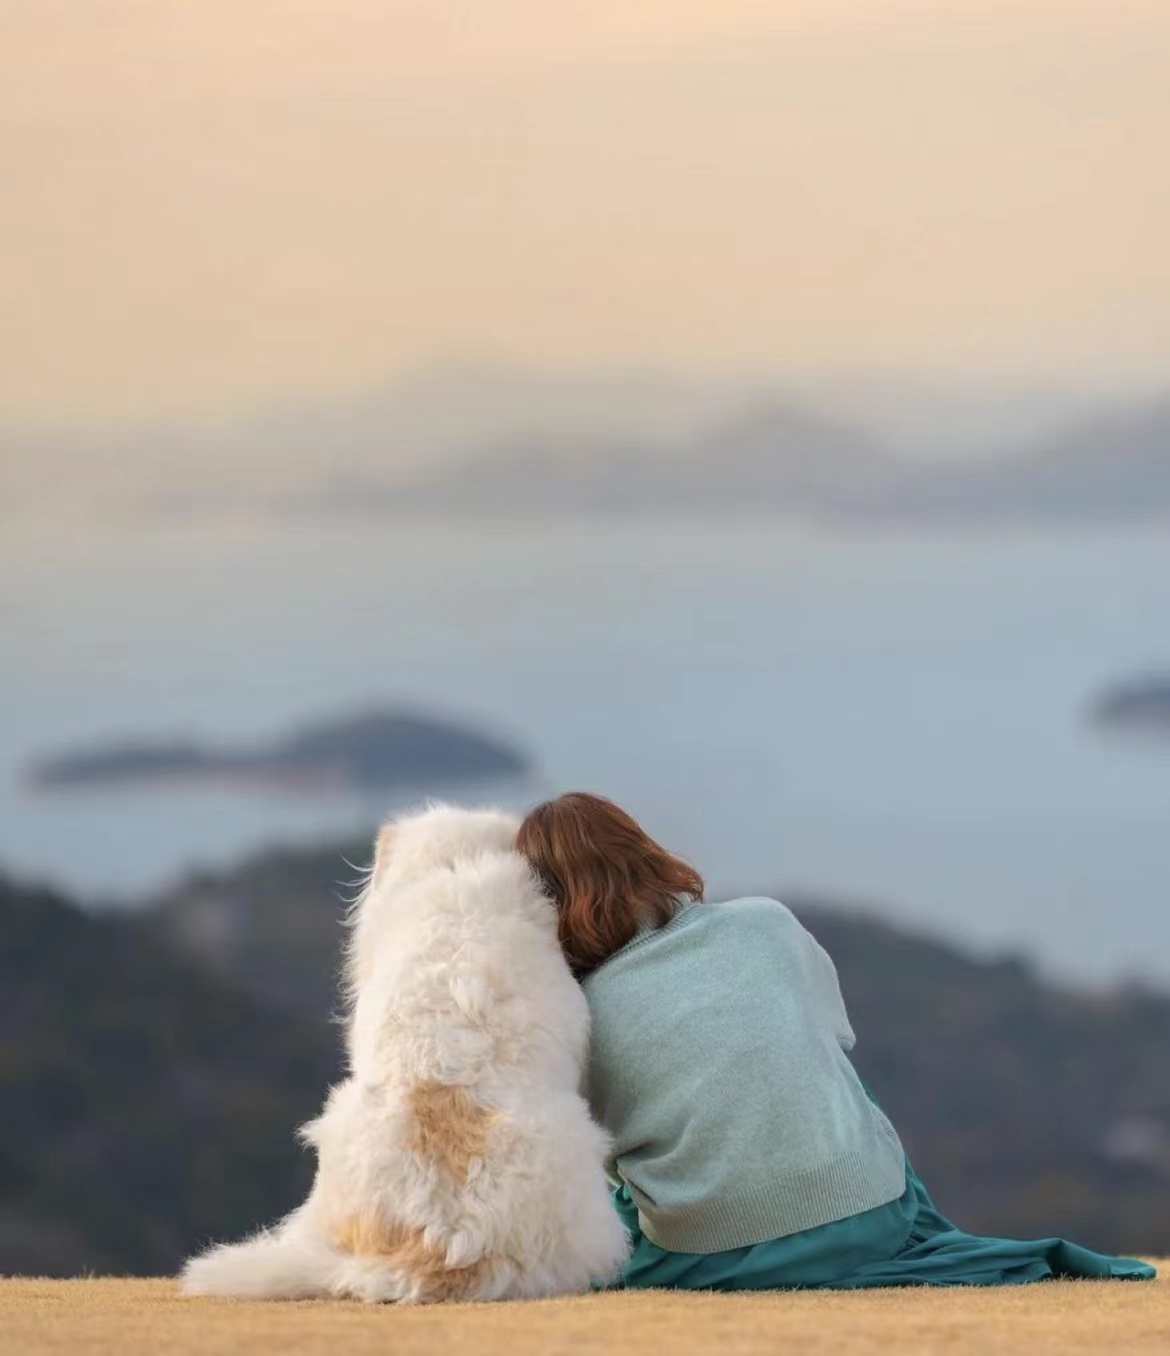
1141	705
370	751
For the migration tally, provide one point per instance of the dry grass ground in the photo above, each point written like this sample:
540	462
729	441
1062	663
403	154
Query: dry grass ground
126	1317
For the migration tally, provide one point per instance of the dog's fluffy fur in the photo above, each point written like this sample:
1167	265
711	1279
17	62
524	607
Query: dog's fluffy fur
457	1161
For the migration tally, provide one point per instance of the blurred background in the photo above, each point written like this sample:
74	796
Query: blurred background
757	412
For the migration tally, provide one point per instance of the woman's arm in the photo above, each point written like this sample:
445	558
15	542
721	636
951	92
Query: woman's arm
828	988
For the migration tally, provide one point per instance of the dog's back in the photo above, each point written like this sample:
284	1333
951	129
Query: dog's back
467	981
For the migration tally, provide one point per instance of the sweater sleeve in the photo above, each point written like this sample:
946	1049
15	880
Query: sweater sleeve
828	989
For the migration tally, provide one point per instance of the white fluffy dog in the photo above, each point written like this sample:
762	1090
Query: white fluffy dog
457	1161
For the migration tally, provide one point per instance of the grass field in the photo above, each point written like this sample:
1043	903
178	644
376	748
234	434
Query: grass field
125	1317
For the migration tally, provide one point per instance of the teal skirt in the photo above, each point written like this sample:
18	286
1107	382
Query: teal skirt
906	1242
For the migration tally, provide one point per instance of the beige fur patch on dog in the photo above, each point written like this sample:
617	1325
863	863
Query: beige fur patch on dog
450	1127
406	1249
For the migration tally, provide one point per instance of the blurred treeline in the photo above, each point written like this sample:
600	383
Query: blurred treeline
153	1068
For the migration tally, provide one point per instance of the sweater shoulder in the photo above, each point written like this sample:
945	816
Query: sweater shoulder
757	936
732	924
751	912
698	934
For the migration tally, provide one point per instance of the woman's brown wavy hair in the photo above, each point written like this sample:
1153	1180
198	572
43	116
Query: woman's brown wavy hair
606	875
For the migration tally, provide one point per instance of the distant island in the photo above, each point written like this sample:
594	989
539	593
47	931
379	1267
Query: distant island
1141	705
368	751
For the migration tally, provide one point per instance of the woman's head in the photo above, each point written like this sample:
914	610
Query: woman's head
606	875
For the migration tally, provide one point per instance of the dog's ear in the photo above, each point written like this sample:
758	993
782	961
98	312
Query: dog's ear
383	848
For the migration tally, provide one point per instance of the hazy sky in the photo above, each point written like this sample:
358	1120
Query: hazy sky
211	204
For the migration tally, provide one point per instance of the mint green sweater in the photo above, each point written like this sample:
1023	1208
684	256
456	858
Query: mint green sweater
719	1067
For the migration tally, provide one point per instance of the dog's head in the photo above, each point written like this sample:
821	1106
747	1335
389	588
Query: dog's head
440	836
408	850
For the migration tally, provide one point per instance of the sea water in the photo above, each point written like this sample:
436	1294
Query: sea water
895	720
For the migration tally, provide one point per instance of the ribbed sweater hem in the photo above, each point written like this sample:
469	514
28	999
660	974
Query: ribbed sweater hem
834	1191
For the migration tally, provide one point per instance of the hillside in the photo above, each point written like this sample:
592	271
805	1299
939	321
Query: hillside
152	1070
1028	1108
146	1103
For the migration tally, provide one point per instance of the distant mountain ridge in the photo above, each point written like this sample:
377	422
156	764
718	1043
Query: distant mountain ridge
520	444
790	462
373	749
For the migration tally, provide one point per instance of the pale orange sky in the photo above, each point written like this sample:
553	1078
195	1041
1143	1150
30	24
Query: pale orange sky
213	205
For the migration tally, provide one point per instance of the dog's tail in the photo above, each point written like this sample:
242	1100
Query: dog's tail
275	1264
